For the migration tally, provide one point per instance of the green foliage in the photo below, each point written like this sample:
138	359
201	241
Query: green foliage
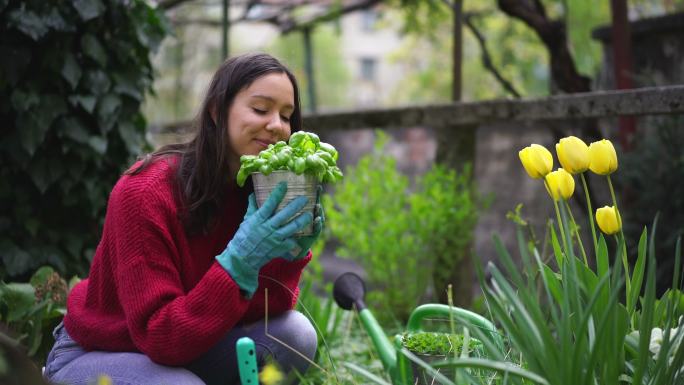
570	326
442	344
516	51
304	153
332	76
32	310
652	179
72	79
397	233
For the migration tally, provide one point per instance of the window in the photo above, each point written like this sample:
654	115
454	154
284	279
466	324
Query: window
368	69
368	20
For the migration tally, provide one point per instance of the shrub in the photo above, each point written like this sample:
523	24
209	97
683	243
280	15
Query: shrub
72	80
397	234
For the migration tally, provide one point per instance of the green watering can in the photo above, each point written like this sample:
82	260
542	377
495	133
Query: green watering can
349	291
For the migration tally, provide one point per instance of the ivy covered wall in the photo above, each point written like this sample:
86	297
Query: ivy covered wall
73	75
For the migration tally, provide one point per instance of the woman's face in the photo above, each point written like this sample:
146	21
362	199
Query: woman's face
260	114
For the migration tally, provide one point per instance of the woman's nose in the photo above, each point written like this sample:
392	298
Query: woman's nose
275	123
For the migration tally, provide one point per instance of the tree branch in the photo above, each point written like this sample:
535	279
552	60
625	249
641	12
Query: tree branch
553	33
487	59
169	4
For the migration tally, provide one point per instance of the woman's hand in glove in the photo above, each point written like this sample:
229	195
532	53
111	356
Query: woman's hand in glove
262	236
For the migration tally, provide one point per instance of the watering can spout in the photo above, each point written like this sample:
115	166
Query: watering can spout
349	291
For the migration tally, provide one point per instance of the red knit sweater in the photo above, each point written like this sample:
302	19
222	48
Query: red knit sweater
153	289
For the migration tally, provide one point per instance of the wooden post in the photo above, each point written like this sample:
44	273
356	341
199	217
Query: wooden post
225	31
309	68
456	85
622	64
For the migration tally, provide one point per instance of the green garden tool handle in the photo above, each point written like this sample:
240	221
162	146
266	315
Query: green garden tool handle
443	311
247	363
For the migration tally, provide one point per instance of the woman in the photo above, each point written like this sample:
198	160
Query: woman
186	257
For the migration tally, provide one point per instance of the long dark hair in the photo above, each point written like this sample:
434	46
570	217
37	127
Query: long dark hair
203	174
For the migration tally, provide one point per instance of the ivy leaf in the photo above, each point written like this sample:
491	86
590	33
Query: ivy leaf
131	137
15	260
71	71
107	111
126	84
88	9
73	129
55	21
44	172
99	144
97	82
34	124
22	101
92	48
85	101
28	23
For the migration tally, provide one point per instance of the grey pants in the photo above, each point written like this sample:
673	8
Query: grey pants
69	364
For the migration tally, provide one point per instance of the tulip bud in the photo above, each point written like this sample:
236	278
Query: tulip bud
560	184
602	157
537	160
608	219
573	154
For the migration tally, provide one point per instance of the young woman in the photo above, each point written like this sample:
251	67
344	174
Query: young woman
186	257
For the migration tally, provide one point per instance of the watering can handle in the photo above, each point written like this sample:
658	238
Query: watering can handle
247	363
444	311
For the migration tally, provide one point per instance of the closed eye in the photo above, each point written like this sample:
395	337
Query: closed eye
285	119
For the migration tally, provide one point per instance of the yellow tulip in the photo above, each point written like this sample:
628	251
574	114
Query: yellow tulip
537	160
573	154
608	219
602	157
560	184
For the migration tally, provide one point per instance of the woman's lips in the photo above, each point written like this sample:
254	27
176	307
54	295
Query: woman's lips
263	143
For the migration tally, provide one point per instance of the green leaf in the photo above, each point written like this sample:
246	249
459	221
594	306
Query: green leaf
34	124
41	173
31	132
107	110
55	21
22	101
126	84
88	9
98	144
15	260
19	298
73	129
97	82
28	23
92	48
86	101
131	137
71	71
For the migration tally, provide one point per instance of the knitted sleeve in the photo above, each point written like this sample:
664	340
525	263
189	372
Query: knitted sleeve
171	326
281	279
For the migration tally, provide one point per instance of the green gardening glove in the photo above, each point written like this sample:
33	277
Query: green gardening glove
263	235
304	243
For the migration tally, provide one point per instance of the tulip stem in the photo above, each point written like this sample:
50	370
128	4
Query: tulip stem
590	211
558	217
612	193
622	234
579	239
